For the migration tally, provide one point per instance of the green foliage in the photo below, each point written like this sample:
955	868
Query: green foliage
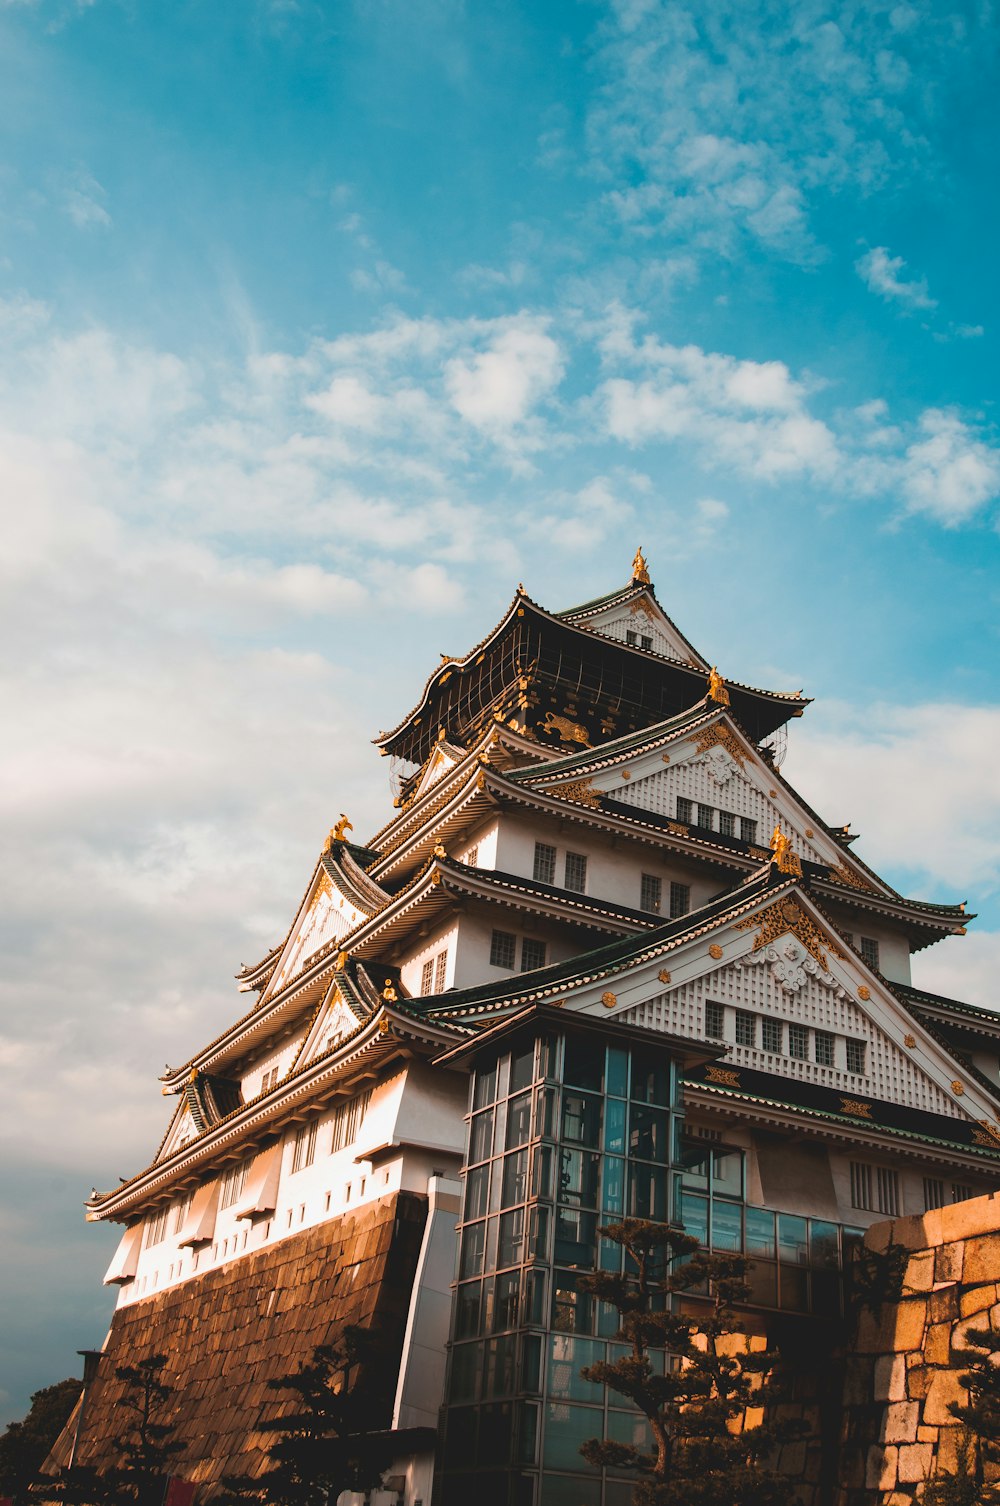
24	1445
980	1416
964	1487
701	1456
143	1449
324	1446
877	1277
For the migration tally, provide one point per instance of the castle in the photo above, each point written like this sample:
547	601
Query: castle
602	959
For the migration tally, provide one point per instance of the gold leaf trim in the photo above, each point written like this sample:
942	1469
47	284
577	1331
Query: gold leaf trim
788	915
580	790
726	1077
864	992
844	874
721	737
715	950
855	1107
609	1000
663	975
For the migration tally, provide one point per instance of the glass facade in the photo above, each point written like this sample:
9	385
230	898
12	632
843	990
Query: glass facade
567	1131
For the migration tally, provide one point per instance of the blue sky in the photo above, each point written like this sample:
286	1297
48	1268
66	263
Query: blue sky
321	326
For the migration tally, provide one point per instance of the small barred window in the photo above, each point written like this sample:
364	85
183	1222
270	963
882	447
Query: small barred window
503	949
532	954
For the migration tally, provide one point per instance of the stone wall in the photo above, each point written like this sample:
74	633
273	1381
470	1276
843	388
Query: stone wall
229	1332
902	1370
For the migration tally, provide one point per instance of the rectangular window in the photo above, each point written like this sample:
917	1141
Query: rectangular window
472	856
233	1181
685	809
532	954
304	1153
861	1185
706	817
887	1186
651	893
156	1227
347	1121
933	1193
269	1079
856	1057
440	970
824	1044
961	1192
771	1031
715	1021
748	830
746	1028
544	871
727	824
181	1211
576	872
427	978
502	949
680	900
869	951
798	1042
631	638
645	642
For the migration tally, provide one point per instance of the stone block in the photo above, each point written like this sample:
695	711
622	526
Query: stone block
857	1380
976	1322
919	1381
753	1417
977	1299
937	1344
901	1418
926	1434
793	1458
949	1449
903	1328
880	1468
868	1339
890	1378
980	1215
914	1463
731	1343
948	1262
945	1388
982	1259
943	1304
919	1274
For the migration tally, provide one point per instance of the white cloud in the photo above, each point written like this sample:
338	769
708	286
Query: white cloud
351	402
882	274
497	388
949	472
83	199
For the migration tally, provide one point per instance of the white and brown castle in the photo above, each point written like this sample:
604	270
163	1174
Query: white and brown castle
603	959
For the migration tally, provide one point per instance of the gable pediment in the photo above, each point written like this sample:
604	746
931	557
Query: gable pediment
642	618
326	915
182	1129
333	1022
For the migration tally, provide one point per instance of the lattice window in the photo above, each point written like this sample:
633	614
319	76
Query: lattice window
869	951
706	817
532	954
156	1227
651	893
961	1192
772	1031
576	872
887	1190
347	1120
427	977
798	1041
746	1028
824	1044
685	810
861	1185
233	1182
727	824
632	639
181	1210
856	1057
503	946
715	1020
748	830
440	970
304	1151
545	863
933	1193
645	641
472	856
680	900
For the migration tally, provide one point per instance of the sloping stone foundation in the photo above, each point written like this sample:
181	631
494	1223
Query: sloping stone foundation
902	1371
230	1331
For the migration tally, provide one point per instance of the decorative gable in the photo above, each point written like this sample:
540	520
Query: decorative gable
327	915
333	1022
182	1130
641	623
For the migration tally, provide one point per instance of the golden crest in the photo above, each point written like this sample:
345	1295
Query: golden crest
663	975
721	737
715	950
856	1108
726	1077
864	992
609	1000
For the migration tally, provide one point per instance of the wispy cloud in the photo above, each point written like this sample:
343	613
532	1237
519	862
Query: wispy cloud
884	274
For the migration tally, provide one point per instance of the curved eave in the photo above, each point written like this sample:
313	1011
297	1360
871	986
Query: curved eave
792	703
392	1034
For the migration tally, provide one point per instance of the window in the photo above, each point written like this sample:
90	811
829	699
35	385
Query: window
706	817
869	951
798	1042
631	639
304	1152
532	954
727	824
887	1184
715	1021
156	1227
771	1031
472	856
685	809
961	1192
824	1044
651	893
347	1121
502	949
680	900
856	1057
545	863
861	1185
269	1079
748	829
645	642
181	1211
576	872
427	977
746	1028
933	1193
233	1181
440	970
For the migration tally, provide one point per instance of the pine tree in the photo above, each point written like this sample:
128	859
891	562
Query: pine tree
143	1448
325	1445
980	1416
24	1445
702	1454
